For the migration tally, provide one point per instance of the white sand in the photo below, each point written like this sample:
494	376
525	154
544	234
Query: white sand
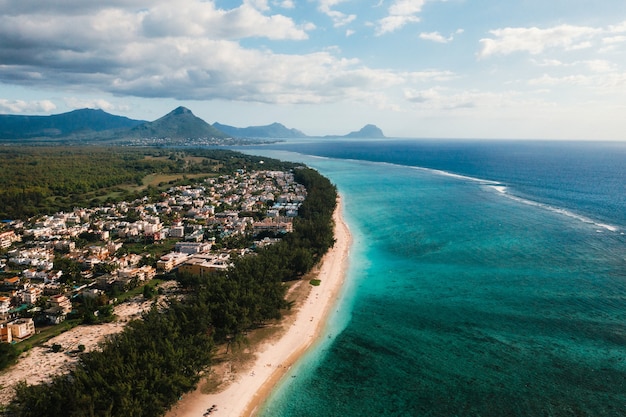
252	385
40	364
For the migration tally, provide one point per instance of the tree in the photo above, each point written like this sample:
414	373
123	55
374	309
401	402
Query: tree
148	292
8	355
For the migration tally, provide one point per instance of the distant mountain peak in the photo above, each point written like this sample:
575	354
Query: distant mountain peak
180	110
367	131
81	122
180	123
274	130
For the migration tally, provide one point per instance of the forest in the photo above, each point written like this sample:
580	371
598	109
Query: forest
146	368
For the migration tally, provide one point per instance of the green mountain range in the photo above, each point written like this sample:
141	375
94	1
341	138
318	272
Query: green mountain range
275	130
180	123
178	126
85	121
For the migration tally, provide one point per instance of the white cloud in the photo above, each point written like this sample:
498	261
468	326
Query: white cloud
438	37
548	80
286	4
593	65
535	41
400	14
438	98
339	18
203	19
96	103
258	4
548	63
189	49
21	106
435	37
600	65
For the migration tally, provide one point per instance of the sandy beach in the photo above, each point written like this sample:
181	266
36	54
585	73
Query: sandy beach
250	385
242	388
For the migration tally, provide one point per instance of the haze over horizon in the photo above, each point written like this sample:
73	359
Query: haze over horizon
421	68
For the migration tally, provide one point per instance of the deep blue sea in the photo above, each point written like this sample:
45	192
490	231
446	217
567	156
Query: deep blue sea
487	278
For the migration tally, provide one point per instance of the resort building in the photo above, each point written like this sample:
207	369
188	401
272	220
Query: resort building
272	226
203	264
22	328
171	261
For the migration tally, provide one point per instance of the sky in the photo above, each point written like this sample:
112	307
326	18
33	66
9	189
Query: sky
519	69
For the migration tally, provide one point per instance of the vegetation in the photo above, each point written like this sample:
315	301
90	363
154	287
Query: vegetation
44	180
146	368
8	354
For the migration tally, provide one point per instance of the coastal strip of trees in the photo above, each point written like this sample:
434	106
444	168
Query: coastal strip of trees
145	369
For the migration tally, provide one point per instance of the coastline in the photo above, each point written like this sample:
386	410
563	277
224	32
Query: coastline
273	358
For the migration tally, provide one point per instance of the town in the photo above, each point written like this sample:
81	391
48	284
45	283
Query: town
87	258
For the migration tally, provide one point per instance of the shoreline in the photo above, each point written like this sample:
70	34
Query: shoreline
253	384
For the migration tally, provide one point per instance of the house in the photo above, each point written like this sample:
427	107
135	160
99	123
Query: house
7	238
12	283
5	334
144	273
30	295
5	305
177	231
61	302
192	247
22	328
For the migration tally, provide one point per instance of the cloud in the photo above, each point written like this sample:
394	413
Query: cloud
547	80
535	41
602	83
600	65
434	99
97	103
203	19
400	14
184	50
438	98
187	50
21	106
285	4
435	37
339	18
438	37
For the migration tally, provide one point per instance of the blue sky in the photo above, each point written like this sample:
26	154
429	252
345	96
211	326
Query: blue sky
545	69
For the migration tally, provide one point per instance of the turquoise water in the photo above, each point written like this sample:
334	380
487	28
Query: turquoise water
463	300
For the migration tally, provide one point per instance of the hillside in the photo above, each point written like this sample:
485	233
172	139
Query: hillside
180	123
368	131
274	130
180	126
83	121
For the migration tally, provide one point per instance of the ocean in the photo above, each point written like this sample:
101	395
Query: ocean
487	278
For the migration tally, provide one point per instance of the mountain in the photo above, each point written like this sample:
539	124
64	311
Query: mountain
368	131
83	121
180	126
275	130
180	123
